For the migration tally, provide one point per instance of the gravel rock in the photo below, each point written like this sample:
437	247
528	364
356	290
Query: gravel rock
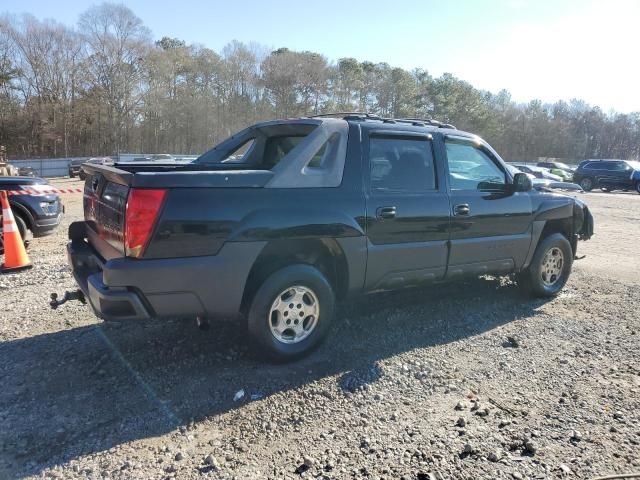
530	447
513	341
494	456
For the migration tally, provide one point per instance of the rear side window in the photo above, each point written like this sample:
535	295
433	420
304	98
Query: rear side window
620	166
238	155
401	164
277	147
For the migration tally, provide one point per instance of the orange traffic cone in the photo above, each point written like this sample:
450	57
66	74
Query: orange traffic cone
15	255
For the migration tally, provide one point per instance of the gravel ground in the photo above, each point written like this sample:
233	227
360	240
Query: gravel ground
459	381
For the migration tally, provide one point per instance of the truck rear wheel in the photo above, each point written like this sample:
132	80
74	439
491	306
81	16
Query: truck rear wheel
550	267
291	312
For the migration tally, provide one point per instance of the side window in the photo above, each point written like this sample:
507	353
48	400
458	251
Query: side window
470	168
401	164
239	154
620	166
277	147
606	166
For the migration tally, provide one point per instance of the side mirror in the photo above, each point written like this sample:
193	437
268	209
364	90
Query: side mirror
521	182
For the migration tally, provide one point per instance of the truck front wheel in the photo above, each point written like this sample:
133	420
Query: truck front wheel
291	312
587	184
550	267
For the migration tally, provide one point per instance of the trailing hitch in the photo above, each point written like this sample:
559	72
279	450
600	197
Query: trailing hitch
75	295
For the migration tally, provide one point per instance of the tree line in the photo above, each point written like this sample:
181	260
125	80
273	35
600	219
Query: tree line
103	86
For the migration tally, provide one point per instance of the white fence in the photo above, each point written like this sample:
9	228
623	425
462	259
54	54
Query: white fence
47	167
59	167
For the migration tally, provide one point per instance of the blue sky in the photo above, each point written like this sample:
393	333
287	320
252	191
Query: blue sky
534	48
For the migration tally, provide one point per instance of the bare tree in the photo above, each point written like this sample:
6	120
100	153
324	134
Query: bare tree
117	44
106	87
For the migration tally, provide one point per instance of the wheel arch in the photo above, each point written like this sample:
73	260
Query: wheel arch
323	253
543	228
24	213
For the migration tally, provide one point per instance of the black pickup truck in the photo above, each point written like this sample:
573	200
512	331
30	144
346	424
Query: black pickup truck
278	222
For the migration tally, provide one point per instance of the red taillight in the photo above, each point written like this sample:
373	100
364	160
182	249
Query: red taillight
142	211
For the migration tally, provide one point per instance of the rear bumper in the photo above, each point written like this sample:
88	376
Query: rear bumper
129	289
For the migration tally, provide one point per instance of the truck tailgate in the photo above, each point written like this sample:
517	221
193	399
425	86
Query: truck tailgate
104	202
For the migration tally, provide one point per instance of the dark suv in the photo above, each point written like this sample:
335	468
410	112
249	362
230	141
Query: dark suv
608	175
39	213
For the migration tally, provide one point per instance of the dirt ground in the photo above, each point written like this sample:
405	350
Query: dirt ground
457	381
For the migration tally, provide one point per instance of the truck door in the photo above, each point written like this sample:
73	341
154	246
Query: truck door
490	224
407	219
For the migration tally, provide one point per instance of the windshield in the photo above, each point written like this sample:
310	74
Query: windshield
561	165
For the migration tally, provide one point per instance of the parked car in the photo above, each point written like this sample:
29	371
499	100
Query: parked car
26	172
160	157
513	169
558	168
36	214
545	183
538	172
316	210
609	175
74	166
94	161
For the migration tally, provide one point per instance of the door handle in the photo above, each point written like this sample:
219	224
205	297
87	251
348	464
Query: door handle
462	209
386	212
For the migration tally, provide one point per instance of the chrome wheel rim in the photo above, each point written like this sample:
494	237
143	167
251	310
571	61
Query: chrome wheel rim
552	265
294	314
585	183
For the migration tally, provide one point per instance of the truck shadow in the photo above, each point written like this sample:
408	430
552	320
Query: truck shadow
88	389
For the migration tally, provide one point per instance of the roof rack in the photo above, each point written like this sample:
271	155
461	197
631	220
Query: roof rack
348	115
429	121
372	116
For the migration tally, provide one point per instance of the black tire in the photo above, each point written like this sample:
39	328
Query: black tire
587	184
532	280
637	187
260	316
82	175
22	228
72	175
